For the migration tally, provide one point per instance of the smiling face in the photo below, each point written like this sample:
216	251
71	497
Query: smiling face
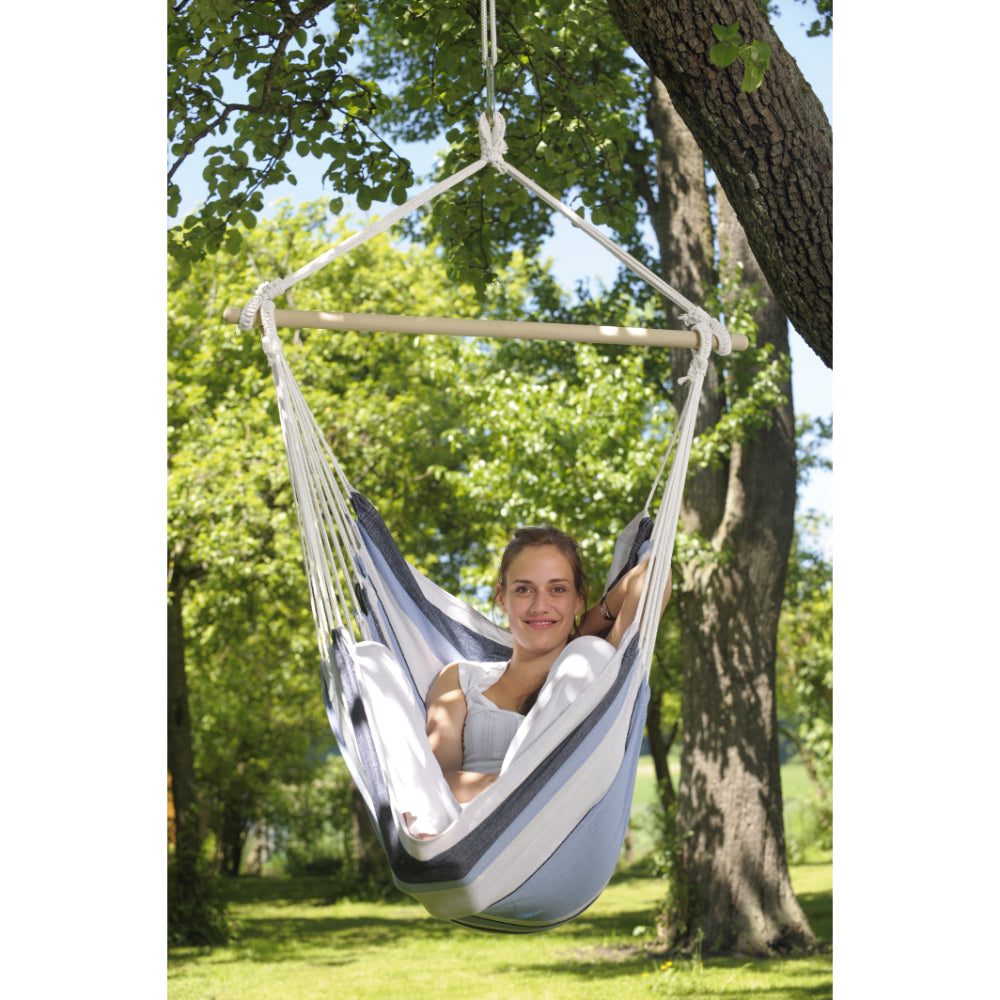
540	598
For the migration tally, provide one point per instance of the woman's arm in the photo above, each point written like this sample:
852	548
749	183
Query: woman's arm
446	711
622	601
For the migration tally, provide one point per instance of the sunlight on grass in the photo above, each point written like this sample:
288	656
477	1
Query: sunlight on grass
296	943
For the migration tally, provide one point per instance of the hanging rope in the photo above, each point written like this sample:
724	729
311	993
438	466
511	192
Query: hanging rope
488	21
493	146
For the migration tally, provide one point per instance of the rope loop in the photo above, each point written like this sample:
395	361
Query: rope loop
706	327
267	291
262	304
704	323
492	141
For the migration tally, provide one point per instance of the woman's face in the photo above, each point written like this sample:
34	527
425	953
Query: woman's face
540	598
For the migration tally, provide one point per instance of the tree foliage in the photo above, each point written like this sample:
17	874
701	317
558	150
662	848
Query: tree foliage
823	25
248	84
230	513
570	90
805	655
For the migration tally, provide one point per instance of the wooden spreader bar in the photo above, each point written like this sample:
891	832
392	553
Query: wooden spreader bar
504	329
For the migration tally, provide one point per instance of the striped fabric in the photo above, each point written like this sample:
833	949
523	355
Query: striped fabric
540	844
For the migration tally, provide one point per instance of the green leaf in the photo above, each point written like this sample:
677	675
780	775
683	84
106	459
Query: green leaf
729	34
234	241
756	59
723	54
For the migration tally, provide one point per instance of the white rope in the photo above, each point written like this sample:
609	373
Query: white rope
693	315
699	364
271	290
668	514
493	147
488	22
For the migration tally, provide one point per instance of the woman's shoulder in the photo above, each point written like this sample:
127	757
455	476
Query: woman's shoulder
446	681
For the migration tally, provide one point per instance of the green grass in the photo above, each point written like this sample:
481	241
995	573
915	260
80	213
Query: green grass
295	942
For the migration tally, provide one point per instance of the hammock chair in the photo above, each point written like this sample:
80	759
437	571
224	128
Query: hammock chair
540	844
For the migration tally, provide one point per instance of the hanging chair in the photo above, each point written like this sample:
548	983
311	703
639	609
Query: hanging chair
539	845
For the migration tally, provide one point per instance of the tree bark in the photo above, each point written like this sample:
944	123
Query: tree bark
180	751
659	750
737	896
771	150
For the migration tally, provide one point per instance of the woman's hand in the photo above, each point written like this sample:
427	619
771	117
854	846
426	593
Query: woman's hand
622	602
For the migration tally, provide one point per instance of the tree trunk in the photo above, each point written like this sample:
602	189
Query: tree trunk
180	752
772	150
737	895
659	749
369	859
232	836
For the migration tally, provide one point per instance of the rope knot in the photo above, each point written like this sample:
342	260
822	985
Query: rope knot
698	366
709	326
491	139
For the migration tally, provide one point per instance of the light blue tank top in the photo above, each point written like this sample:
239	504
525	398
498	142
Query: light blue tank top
488	729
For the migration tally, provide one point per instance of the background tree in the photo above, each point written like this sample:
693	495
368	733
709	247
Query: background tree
772	149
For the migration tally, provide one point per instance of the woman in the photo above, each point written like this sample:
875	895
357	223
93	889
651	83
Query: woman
472	712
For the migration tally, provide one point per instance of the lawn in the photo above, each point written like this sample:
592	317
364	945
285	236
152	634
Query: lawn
295	942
